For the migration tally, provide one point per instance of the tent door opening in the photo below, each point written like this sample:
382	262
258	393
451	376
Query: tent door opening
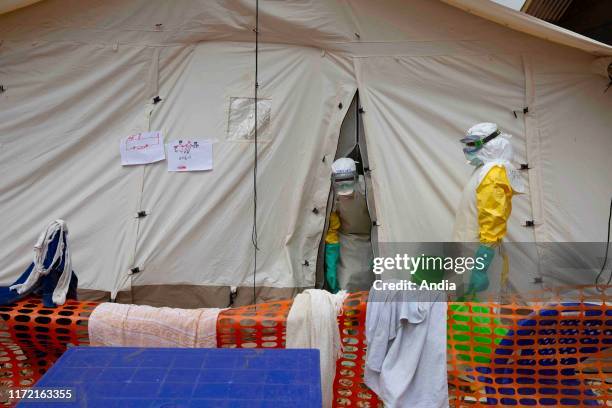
356	238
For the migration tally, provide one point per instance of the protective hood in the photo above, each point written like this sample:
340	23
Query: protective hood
497	149
344	176
498	152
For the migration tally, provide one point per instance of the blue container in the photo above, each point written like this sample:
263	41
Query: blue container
162	377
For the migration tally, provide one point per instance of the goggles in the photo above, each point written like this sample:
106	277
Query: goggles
344	184
474	143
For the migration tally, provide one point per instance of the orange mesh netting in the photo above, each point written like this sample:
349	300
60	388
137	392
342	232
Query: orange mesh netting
32	337
349	388
555	354
264	326
261	326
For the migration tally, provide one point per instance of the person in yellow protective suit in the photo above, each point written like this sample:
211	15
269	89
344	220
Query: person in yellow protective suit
486	203
332	252
348	248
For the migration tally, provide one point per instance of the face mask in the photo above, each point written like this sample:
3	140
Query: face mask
344	187
473	159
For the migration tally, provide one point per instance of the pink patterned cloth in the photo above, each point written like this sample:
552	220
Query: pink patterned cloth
115	324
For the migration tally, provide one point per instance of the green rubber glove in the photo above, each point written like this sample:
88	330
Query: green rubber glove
479	280
429	275
332	253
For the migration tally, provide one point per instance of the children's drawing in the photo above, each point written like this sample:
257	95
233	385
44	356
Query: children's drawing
189	155
142	148
184	148
142	141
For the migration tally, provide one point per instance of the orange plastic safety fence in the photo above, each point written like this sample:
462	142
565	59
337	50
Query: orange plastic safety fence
254	326
554	353
264	326
32	337
349	388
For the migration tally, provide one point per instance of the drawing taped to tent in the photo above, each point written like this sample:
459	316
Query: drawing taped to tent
142	141
189	155
142	148
185	148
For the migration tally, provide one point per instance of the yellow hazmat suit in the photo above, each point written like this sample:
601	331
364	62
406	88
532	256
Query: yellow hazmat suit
494	203
332	252
486	203
332	231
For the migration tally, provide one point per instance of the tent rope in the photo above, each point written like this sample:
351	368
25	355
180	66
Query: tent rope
603	266
254	231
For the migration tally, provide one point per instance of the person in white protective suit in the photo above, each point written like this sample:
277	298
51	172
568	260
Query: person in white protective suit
486	202
348	248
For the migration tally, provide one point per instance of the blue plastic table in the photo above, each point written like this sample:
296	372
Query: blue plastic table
151	377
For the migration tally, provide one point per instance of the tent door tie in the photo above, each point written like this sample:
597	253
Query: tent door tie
525	111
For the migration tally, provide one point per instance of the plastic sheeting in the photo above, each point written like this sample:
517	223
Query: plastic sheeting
79	77
241	121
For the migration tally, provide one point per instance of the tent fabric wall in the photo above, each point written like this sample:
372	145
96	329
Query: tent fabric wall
198	228
574	142
415	122
418	168
574	122
212	211
80	76
56	158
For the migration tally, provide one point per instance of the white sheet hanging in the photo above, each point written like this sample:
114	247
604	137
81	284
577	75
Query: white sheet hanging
312	323
406	355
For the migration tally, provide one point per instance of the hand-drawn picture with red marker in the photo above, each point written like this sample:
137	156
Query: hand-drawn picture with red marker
184	148
189	155
142	148
142	141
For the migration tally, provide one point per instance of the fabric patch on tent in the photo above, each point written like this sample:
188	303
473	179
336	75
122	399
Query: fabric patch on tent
241	121
142	148
189	155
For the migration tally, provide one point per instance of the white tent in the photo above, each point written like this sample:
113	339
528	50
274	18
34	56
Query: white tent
79	76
